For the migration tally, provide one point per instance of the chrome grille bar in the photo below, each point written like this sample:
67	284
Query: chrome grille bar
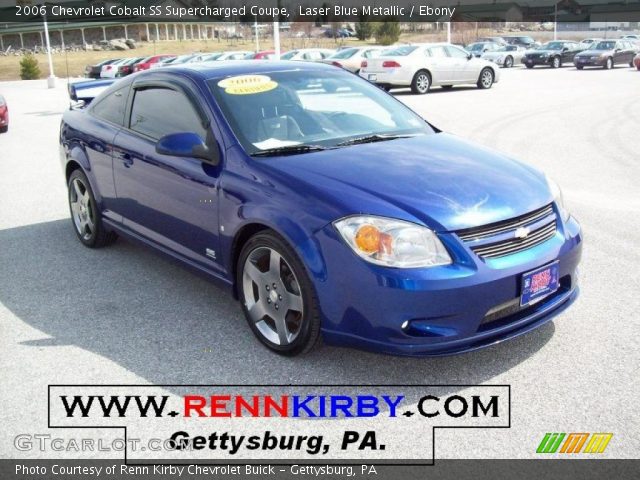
512	246
477	233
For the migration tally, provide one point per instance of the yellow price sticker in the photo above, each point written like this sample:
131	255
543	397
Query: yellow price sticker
247	84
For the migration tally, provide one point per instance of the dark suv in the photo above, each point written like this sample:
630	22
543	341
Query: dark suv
522	40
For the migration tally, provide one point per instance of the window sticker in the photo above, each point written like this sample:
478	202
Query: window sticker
247	84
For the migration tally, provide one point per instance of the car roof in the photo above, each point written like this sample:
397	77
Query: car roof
215	69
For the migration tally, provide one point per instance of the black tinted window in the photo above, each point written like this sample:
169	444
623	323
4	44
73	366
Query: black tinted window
112	107
157	112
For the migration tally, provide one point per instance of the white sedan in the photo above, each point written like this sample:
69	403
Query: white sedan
506	56
425	65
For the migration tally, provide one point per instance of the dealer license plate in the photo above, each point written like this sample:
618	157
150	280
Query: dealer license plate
373	77
539	283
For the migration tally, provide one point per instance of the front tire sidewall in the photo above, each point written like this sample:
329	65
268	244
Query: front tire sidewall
508	63
309	333
608	64
93	239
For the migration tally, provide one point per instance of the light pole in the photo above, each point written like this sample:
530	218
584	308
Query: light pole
255	26
51	79
276	39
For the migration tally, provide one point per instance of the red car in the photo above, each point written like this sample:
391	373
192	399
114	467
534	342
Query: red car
147	62
636	61
263	55
4	115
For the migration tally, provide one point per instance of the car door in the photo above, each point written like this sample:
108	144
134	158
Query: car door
169	200
439	64
464	69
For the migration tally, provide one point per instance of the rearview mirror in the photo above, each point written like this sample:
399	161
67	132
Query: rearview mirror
188	144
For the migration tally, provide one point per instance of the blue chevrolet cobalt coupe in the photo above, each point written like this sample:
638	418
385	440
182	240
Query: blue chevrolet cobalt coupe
326	206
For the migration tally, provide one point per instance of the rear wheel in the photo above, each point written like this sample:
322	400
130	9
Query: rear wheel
421	82
486	78
277	296
84	213
508	62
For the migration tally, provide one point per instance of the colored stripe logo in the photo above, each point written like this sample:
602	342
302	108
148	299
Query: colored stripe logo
574	443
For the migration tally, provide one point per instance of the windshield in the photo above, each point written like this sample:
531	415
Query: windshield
347	53
288	55
320	109
552	46
399	51
476	46
605	46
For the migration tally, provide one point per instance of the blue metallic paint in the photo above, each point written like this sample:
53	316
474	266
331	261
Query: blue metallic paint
439	181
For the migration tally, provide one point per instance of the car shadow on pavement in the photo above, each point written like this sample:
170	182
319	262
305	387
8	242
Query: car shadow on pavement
169	326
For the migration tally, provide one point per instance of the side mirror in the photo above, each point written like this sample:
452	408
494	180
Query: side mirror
565	49
188	144
469	56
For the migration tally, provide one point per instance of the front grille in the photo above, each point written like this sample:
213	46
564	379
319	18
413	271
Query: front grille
542	223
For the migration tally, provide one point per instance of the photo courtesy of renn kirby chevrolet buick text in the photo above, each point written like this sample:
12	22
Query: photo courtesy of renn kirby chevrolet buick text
329	208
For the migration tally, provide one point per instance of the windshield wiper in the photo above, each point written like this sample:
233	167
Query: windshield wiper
371	139
288	150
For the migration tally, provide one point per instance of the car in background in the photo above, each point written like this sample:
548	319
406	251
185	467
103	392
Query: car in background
505	56
478	48
179	60
522	40
606	54
553	54
588	43
263	55
119	69
146	63
93	71
498	40
422	66
231	55
4	115
636	61
351	58
346	215
631	37
307	54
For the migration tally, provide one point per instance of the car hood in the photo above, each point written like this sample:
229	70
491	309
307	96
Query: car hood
440	180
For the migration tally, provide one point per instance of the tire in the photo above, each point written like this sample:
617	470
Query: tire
447	87
508	62
85	217
528	66
608	65
4	129
579	67
486	78
265	294
556	62
421	82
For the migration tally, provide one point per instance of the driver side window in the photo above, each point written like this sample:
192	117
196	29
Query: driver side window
157	112
456	52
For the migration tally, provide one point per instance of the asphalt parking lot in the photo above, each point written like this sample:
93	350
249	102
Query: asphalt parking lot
125	315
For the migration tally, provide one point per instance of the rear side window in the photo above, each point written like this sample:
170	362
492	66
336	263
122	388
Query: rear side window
157	112
111	108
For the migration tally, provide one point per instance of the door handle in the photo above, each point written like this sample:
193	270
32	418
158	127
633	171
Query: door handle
127	159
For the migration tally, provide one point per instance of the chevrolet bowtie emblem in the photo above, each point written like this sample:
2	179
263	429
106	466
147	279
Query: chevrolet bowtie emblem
522	232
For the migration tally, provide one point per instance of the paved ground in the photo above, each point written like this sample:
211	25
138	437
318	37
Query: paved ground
125	315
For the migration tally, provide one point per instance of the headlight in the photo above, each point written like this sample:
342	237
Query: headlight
558	199
392	243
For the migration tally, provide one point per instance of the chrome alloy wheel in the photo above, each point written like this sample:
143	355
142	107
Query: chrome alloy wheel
272	296
487	78
82	209
422	83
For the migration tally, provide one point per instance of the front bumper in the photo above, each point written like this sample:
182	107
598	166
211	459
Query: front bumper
453	307
536	61
589	62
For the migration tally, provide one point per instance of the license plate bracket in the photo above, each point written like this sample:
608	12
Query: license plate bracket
539	283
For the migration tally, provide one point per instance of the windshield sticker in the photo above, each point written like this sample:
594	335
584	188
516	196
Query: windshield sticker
274	143
247	84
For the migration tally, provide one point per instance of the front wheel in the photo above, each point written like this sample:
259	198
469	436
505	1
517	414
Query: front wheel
528	65
277	296
84	213
486	78
508	62
421	83
556	63
608	65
